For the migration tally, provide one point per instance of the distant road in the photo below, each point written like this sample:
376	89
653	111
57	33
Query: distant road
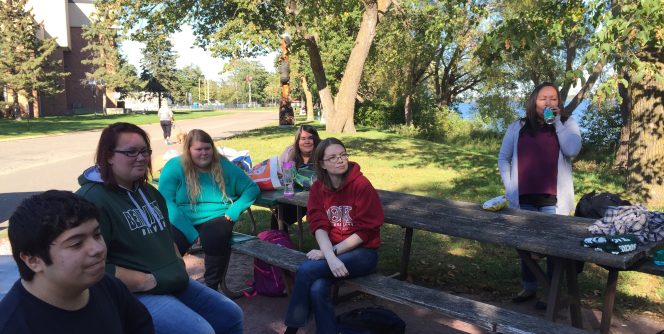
33	165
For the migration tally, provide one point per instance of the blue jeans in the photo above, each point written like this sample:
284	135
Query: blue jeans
313	281
196	309
527	277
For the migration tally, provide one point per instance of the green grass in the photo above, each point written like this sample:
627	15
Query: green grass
10	129
464	170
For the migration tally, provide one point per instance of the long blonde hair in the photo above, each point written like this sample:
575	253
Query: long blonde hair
191	171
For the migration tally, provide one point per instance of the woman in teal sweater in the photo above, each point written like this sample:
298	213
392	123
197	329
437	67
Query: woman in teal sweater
205	194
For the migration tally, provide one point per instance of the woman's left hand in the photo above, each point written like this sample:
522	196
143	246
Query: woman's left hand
315	254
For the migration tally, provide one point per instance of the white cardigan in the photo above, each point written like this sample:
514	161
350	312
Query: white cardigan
569	138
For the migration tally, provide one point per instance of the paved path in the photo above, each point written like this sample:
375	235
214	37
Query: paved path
54	162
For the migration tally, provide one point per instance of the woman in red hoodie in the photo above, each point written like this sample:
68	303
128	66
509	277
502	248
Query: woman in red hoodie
345	216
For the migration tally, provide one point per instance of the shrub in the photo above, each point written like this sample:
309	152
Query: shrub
379	114
601	127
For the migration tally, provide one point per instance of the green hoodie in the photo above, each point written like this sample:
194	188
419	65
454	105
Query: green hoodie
136	230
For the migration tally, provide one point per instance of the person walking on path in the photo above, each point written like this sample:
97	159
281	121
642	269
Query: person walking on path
166	121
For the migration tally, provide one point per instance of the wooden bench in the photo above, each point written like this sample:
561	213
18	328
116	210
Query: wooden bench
488	317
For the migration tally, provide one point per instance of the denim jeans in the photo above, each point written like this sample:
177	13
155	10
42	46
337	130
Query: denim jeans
196	309
527	277
313	282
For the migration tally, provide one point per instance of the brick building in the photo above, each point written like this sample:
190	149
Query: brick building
63	20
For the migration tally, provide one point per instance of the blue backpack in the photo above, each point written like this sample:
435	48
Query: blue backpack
268	279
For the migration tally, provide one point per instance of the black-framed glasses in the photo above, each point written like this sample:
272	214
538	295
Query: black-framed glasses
134	153
337	158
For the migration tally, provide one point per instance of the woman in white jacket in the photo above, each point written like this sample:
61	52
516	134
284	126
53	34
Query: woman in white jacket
535	163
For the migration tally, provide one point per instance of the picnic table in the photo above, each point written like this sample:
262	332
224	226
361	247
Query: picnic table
552	235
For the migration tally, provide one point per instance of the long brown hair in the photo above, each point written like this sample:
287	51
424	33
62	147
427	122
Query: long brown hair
106	146
191	171
297	154
317	158
531	120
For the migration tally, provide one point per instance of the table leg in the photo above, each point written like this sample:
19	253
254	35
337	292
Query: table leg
299	226
554	290
534	268
405	255
609	299
573	292
280	218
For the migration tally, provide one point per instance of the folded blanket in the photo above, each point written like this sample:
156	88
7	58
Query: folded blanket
647	226
616	244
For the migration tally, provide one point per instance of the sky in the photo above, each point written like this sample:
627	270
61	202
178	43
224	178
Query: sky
188	54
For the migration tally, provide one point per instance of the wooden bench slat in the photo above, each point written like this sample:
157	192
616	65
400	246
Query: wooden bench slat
483	315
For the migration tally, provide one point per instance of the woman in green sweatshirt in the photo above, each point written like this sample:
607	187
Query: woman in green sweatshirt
138	234
205	194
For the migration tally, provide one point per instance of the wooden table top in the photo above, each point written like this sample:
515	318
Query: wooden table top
554	235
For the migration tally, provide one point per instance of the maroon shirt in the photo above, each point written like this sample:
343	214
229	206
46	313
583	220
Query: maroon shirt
538	163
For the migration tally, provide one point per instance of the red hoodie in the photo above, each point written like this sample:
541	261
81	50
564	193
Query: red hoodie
353	208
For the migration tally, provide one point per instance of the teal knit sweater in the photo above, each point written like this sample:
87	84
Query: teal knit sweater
240	189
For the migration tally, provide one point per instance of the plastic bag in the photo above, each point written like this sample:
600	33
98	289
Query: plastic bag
265	174
170	154
496	203
241	159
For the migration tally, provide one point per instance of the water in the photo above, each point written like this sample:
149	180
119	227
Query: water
469	109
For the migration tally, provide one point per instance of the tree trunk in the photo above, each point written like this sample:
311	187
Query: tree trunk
625	116
324	92
645	163
308	98
408	109
344	104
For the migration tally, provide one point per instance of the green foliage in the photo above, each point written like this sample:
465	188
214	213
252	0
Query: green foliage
602	127
159	69
24	57
236	87
104	59
379	114
188	79
441	123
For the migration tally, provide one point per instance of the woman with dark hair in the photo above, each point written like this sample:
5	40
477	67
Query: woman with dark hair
306	141
138	234
345	216
535	163
205	194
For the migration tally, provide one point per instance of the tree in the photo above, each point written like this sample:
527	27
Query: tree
159	65
239	71
624	36
243	28
103	57
425	41
188	79
25	64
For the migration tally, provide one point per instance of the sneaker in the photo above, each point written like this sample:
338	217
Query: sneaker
166	141
524	295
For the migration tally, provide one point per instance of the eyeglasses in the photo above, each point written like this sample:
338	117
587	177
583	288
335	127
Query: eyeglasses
337	158
134	153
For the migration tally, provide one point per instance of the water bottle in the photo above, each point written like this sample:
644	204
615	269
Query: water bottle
288	169
549	116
